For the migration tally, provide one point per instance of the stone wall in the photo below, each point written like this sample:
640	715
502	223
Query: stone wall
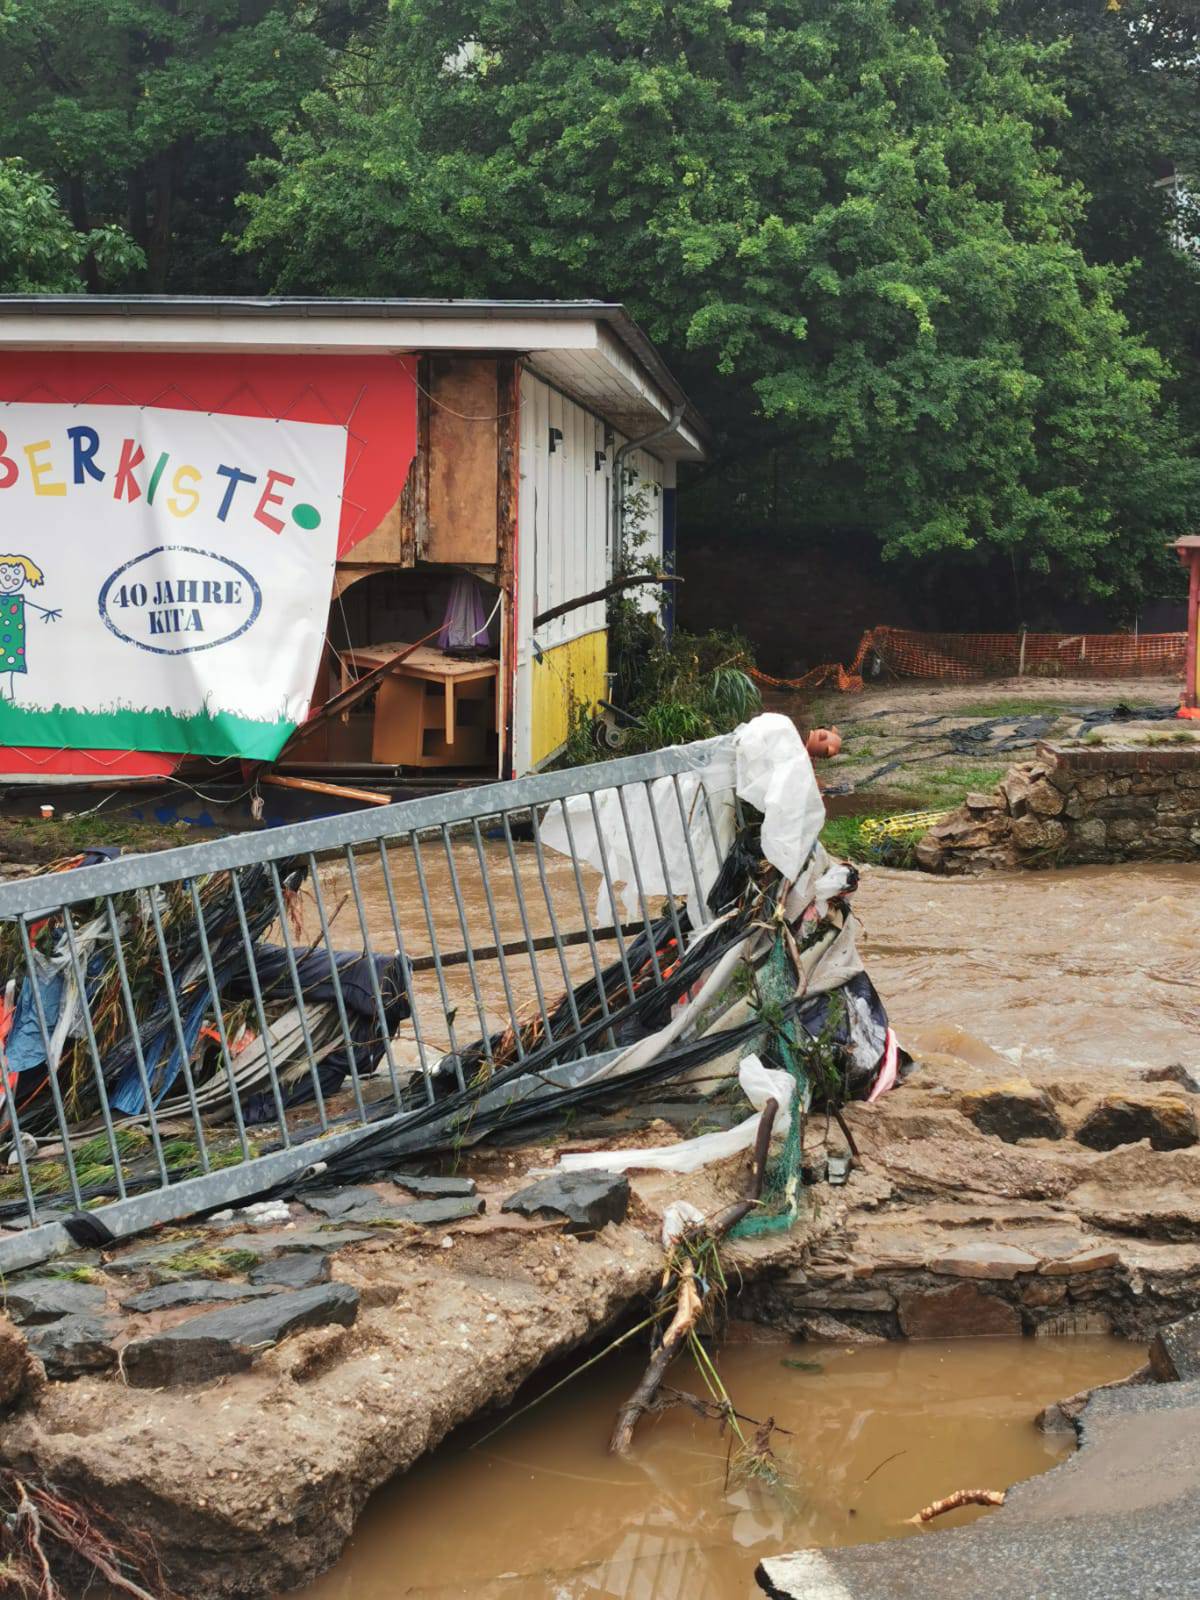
1076	803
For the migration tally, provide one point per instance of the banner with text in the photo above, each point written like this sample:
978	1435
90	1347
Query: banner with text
164	576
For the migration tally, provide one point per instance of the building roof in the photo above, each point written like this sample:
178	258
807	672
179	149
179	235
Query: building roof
590	349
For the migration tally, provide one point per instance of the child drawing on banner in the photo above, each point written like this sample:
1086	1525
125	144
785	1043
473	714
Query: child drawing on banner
15	573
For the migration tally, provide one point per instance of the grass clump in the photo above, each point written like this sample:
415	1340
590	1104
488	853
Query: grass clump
210	1263
1012	706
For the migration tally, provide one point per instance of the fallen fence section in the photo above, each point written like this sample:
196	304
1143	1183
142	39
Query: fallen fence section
184	1030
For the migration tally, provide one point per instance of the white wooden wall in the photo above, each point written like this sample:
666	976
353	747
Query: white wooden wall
564	541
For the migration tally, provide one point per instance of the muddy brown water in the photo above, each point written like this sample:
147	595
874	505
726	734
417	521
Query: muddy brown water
1082	967
540	1511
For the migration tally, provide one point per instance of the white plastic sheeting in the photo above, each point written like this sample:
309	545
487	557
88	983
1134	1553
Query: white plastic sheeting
775	775
759	1084
764	762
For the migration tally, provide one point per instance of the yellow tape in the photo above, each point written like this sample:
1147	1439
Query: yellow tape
903	822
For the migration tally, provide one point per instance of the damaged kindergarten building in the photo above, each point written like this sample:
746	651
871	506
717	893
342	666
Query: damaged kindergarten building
360	539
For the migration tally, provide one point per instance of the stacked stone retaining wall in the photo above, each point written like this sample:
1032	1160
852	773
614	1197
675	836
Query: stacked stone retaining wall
1076	803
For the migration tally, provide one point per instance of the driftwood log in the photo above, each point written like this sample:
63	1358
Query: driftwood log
690	1303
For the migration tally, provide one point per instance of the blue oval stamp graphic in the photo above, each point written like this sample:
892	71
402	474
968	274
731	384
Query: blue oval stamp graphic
175	600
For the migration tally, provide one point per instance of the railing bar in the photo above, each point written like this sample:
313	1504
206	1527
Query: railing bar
185	1064
612	898
260	1010
80	977
407	970
605	1010
712	826
513	1018
385	1031
335	978
460	908
554	929
60	1111
447	1009
46	893
298	990
662	856
685	823
135	1036
214	994
637	878
531	945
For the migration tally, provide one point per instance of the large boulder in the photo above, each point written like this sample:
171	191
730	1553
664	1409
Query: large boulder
1126	1117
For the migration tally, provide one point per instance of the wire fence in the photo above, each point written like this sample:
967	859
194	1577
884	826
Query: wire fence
185	1029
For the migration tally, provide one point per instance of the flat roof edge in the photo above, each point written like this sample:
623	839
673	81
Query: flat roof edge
612	313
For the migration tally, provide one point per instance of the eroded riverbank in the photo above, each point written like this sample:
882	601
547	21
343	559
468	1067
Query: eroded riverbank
253	1484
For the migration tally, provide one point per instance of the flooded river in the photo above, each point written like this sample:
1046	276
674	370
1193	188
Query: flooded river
540	1511
1082	967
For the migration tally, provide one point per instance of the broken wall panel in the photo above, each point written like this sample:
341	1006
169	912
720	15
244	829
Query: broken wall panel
463	461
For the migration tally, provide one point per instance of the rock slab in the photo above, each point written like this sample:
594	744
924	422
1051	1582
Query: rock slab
192	1292
301	1270
36	1301
1175	1352
73	1346
1013	1111
218	1342
958	1313
435	1188
985	1260
585	1200
1168	1121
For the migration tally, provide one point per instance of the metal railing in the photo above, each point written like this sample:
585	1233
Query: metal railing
188	1028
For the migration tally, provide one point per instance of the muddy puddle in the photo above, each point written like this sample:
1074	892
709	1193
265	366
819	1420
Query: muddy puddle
540	1511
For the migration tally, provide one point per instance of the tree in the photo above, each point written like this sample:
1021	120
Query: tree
146	112
40	252
842	218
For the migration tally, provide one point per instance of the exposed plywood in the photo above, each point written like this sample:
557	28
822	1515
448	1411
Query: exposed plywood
463	461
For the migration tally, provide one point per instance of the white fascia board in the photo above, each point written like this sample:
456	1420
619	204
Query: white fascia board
275	335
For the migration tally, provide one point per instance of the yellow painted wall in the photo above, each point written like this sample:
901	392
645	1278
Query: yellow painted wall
570	674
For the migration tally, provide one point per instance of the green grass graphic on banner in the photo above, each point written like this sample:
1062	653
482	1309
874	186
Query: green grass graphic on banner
201	733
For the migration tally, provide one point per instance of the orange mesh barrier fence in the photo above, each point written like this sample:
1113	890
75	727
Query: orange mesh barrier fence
969	657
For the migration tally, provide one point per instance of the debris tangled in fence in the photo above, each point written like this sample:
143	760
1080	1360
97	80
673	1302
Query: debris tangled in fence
168	1030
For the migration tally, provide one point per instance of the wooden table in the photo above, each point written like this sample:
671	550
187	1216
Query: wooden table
416	728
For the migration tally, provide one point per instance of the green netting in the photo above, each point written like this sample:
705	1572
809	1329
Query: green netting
780	1202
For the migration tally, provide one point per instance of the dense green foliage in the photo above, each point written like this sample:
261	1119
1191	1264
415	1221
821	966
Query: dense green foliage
40	252
908	256
147	112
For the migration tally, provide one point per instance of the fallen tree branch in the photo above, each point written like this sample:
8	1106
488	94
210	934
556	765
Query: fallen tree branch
689	1302
960	1497
608	590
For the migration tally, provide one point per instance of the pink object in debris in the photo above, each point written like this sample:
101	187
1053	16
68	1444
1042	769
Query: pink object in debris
889	1071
